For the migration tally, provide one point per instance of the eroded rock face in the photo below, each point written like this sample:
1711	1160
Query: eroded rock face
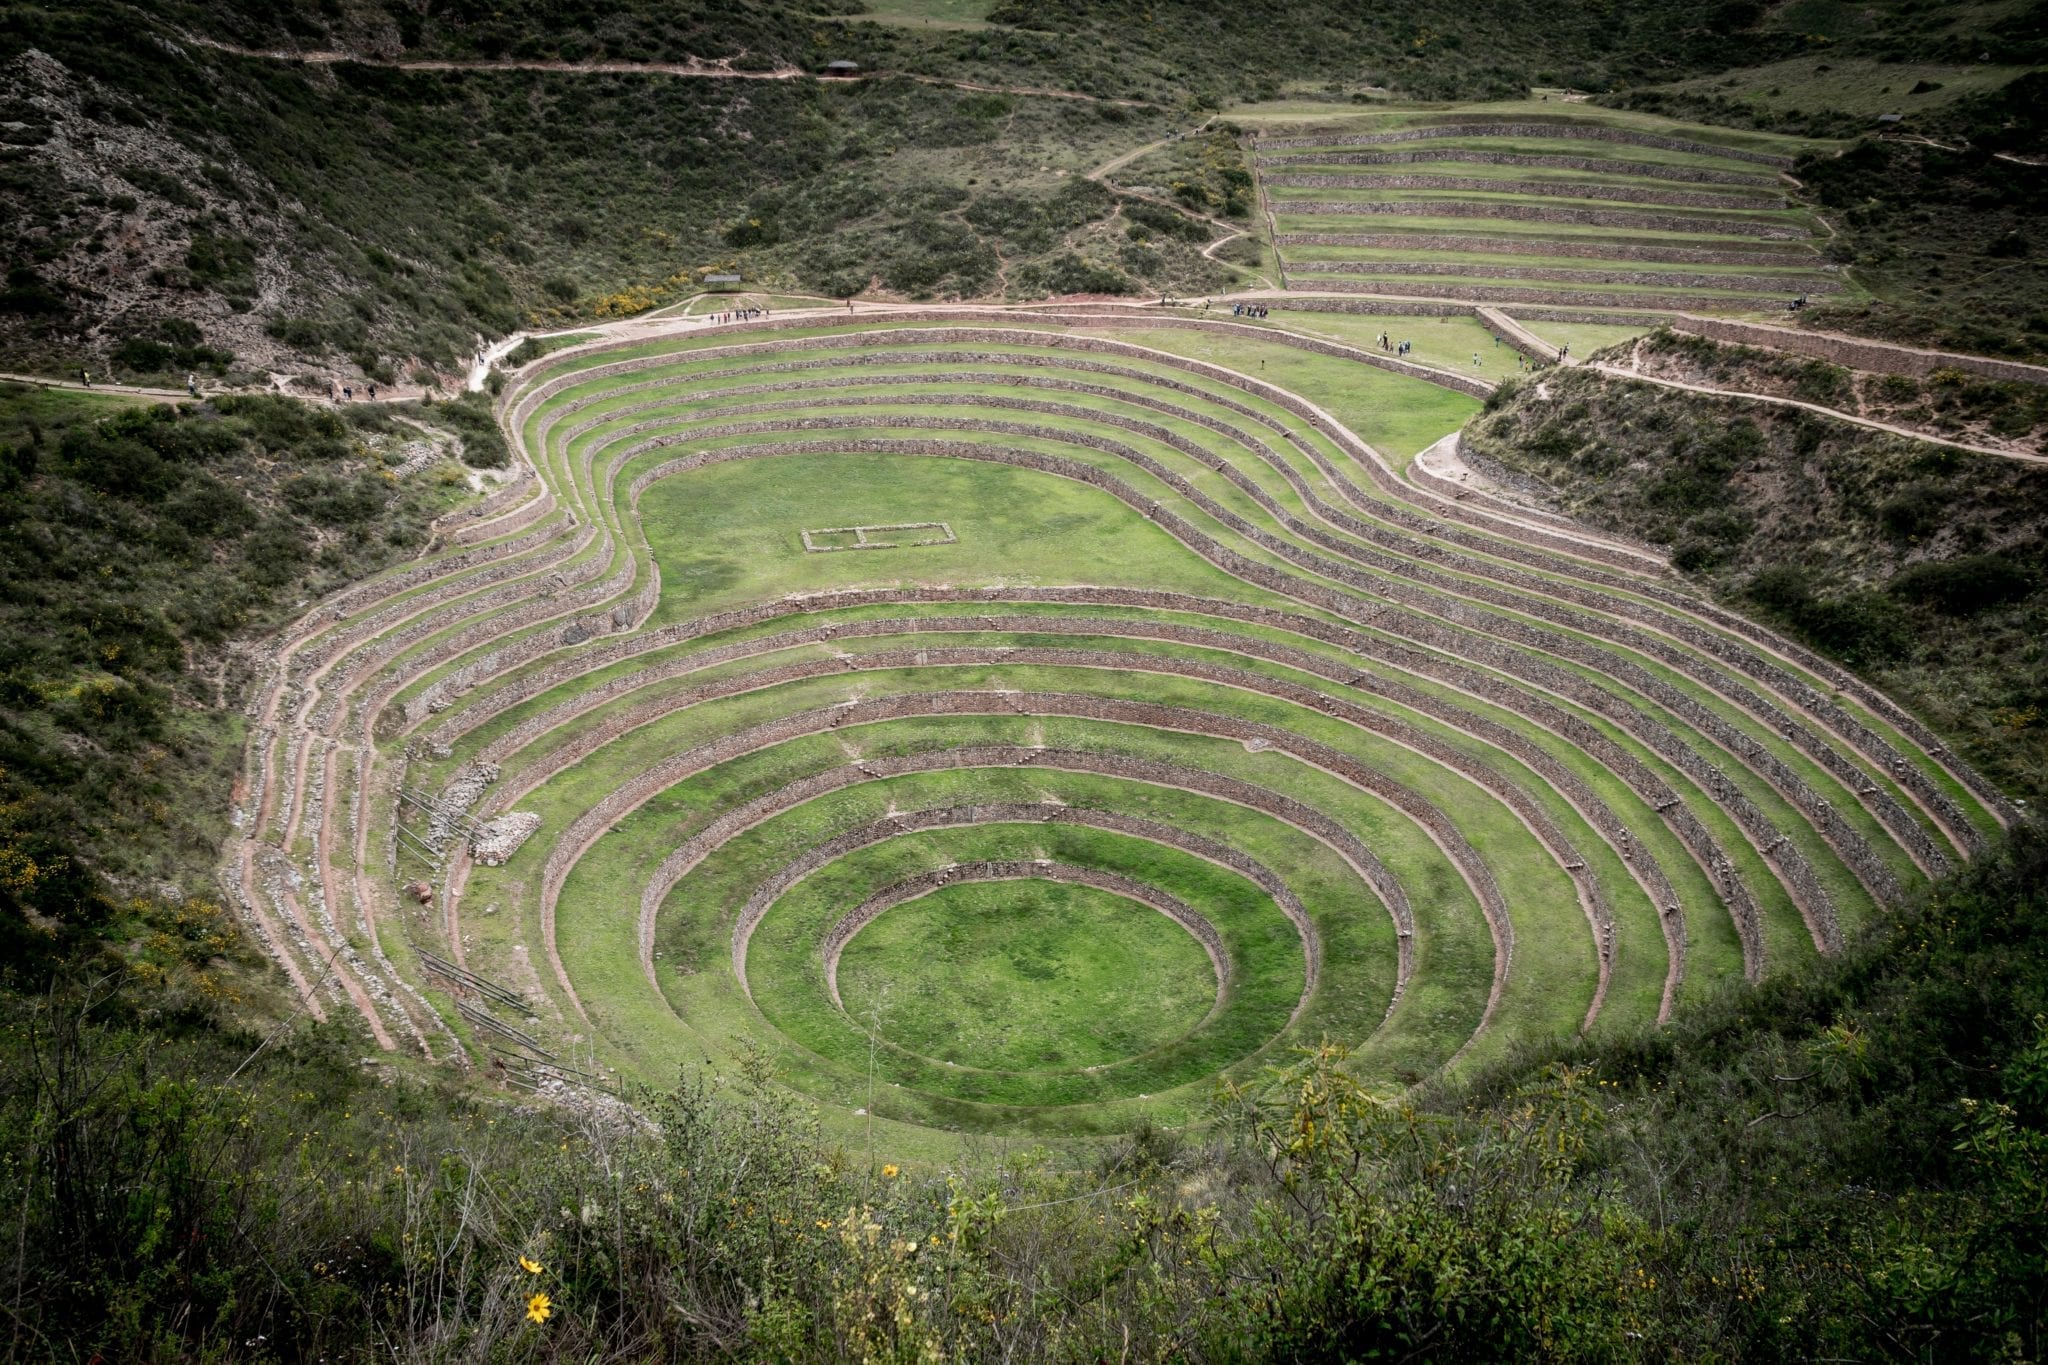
497	840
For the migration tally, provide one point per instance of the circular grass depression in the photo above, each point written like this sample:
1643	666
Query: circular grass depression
1250	946
1025	975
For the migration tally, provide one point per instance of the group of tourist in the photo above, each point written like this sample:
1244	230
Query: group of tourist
346	393
191	381
1249	310
749	314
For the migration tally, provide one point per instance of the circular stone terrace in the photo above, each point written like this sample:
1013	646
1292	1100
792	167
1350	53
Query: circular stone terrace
1158	725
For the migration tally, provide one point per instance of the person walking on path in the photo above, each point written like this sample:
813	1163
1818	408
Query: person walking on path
373	393
85	377
1475	360
192	384
348	393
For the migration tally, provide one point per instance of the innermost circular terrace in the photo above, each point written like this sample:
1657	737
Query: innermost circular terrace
1025	975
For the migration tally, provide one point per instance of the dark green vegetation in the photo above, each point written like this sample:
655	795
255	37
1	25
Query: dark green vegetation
1938	215
136	543
1948	237
1847	1163
366	220
403	214
1924	568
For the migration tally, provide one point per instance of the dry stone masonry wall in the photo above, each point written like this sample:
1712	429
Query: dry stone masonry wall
1554	189
1648	170
1452	128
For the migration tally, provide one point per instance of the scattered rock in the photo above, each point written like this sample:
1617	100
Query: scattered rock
495	841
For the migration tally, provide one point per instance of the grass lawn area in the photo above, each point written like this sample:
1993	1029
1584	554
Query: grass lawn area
1650	293
28	408
1584	337
1419	223
731	533
1446	342
1025	976
1398	416
1593	180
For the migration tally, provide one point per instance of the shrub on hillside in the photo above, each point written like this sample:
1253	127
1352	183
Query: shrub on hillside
471	417
1068	273
1965	586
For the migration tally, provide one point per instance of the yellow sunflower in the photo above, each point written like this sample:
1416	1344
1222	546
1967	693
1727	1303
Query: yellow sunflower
538	1307
530	1266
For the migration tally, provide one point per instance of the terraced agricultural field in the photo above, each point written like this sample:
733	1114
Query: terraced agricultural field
1506	204
1009	724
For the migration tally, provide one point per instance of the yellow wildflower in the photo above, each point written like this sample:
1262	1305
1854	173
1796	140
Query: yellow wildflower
888	1173
538	1307
530	1266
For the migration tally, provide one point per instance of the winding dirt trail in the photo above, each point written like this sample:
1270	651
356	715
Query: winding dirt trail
1619	372
694	69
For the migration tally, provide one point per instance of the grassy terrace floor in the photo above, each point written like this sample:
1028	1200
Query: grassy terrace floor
1406	774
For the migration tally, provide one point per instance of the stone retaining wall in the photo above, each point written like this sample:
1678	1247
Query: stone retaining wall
509	522
340	642
1014	870
737	820
1541	213
1383	475
1549	189
1408	736
1647	170
1621	319
1511	294
532	612
1607	249
1402	658
1530	584
377	589
1783	284
492	503
1578	131
381	650
614	806
1487	647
